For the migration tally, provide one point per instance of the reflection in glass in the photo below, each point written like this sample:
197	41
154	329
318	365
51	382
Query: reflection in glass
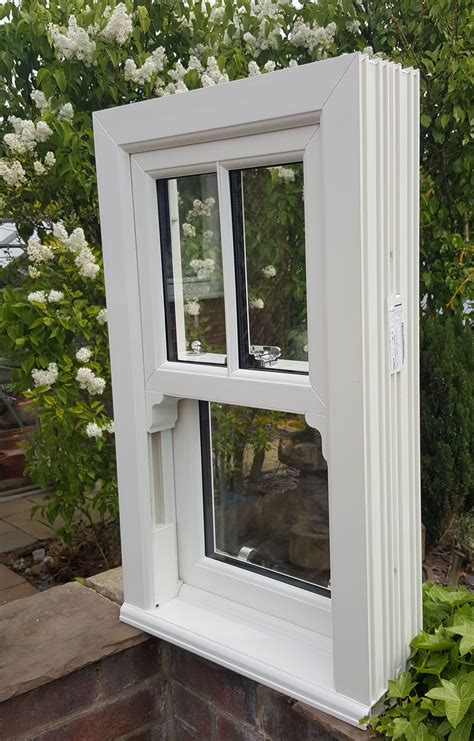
192	263
266	497
274	238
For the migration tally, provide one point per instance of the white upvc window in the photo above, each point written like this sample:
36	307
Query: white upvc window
265	372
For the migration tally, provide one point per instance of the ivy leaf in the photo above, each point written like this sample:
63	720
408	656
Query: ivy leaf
465	628
433	641
402	686
403	728
457	696
463	731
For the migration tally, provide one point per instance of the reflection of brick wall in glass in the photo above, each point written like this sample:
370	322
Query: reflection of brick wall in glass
267	497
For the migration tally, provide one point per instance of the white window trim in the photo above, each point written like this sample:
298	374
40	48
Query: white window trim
366	188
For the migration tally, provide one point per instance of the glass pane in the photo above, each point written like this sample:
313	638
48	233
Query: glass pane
192	264
274	238
266	493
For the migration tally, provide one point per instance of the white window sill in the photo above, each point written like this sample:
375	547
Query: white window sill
279	654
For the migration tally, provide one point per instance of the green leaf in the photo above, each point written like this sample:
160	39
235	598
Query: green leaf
464	730
457	696
402	686
434	642
465	628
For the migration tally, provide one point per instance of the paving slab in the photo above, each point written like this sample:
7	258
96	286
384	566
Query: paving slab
56	632
5	527
14	507
16	593
14	539
23	522
9	578
109	584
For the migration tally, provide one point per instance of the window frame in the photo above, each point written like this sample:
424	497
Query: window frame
366	147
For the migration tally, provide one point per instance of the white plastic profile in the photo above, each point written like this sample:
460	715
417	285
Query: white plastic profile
354	122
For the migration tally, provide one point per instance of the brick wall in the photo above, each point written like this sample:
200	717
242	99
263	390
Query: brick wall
70	671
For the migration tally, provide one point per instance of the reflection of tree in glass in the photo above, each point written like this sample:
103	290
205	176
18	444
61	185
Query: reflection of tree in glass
275	251
201	261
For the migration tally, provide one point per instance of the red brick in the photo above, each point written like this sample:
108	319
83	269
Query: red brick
109	721
230	692
195	712
280	722
152	732
228	729
183	732
47	703
130	667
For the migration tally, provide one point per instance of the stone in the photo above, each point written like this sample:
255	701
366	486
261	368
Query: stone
36	529
303	450
109	584
56	632
19	592
309	550
9	578
38	554
15	539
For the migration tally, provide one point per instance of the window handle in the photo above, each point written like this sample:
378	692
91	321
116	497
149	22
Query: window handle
265	355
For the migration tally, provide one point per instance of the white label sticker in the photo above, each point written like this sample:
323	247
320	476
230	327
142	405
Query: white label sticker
396	333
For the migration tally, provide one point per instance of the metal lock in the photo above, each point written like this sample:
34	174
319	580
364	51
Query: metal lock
265	355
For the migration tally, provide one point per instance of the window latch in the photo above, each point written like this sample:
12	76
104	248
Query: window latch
265	355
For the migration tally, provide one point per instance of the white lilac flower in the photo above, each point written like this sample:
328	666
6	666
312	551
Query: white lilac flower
88	381
203	268
188	230
45	377
86	263
207	235
12	173
285	173
60	232
55	296
269	271
76	240
43	131
254	69
84	354
23	139
257	303
66	112
305	348
40	101
312	37
37	296
33	272
212	75
102	317
292	63
353	26
269	66
38	252
119	24
201	208
192	307
39	168
110	427
152	64
49	159
93	430
74	44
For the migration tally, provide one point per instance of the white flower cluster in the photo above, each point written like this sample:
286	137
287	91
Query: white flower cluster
66	112
12	173
285	173
257	303
84	354
38	252
41	297
33	272
26	134
269	30
207	235
119	24
353	26
95	430
76	243
74	44
269	271
152	64
40	101
200	208
88	381
45	377
203	268
312	37
255	70
188	230
192	307
102	317
210	75
41	168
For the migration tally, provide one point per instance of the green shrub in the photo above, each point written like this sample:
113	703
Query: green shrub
447	420
434	699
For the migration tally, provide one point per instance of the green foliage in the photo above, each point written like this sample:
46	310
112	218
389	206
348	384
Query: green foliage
447	419
434	698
